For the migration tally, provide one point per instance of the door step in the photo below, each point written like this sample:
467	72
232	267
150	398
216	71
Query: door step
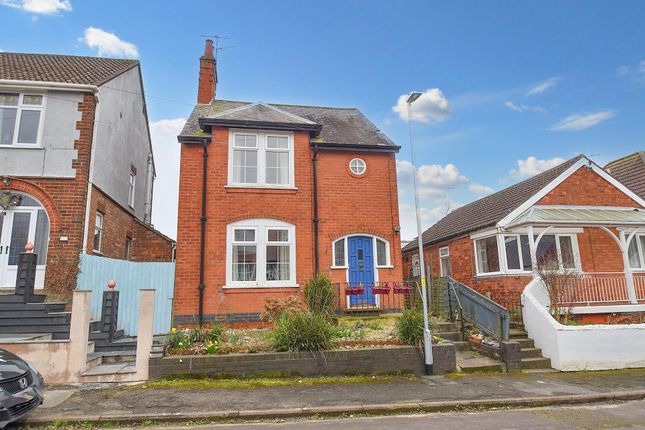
472	362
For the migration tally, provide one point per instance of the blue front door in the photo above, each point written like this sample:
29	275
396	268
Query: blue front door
361	268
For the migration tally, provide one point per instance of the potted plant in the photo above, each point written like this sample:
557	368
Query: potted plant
381	289
355	291
405	289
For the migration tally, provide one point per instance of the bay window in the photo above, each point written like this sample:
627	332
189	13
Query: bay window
260	253
554	251
260	159
20	118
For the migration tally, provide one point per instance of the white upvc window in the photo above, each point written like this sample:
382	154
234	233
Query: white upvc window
416	267
636	252
260	159
21	119
261	253
444	262
131	187
98	232
510	253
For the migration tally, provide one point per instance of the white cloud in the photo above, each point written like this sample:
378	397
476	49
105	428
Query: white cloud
408	220
430	106
636	73
480	189
108	43
583	121
42	7
166	149
434	180
543	86
532	166
523	108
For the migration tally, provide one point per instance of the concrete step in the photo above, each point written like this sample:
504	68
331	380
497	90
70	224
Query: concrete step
515	333
525	343
35	329
461	345
44	307
113	357
125	344
44	319
15	298
103	335
446	326
109	369
450	335
531	352
536	363
472	362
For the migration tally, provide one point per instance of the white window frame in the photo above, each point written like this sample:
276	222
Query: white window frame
132	185
442	256
358	159
261	227
19	108
261	148
503	262
100	216
388	260
415	259
641	253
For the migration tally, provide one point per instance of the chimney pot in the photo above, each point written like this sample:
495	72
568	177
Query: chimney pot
208	49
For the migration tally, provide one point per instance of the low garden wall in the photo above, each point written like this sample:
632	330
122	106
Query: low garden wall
372	361
586	347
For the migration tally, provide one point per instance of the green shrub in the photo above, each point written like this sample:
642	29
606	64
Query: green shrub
320	295
303	331
410	326
179	339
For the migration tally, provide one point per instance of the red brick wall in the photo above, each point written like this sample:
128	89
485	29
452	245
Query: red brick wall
598	251
118	224
64	199
346	205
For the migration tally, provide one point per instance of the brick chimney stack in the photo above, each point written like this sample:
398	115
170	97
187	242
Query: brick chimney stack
207	75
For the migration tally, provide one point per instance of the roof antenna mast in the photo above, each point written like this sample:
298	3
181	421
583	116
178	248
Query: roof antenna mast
217	38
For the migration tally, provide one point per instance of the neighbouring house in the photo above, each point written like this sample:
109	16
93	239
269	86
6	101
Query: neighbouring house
630	170
76	166
574	215
272	193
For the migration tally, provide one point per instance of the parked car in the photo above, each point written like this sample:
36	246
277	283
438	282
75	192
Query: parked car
21	388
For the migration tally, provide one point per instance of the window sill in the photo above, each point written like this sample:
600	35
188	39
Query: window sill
339	267
261	187
252	288
22	146
389	266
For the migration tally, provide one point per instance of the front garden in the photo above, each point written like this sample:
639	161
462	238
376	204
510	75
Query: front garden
302	325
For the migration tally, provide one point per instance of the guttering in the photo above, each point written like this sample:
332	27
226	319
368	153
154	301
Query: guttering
314	159
64	86
202	245
356	147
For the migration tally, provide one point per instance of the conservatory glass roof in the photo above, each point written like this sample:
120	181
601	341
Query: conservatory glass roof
577	215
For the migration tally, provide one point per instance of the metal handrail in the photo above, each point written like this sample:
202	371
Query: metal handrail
490	317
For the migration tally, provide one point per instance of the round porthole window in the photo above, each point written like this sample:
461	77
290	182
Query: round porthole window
357	166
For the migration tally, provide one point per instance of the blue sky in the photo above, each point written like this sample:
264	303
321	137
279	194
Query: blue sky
513	86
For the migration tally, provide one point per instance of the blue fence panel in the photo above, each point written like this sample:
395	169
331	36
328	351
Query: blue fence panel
130	277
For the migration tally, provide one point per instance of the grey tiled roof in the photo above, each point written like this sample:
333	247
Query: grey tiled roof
630	171
61	68
339	125
489	210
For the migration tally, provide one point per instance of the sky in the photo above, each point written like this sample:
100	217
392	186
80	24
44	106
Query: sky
509	88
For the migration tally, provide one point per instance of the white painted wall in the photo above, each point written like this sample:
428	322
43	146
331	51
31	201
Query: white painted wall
122	141
588	347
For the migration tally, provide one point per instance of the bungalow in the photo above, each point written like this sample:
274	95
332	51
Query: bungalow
272	193
575	216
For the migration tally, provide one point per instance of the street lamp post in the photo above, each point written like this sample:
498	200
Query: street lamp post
427	334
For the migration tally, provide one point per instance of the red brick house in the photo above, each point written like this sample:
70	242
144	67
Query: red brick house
630	171
271	193
76	166
575	214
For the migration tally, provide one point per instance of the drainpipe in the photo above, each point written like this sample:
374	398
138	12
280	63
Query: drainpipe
203	236
315	163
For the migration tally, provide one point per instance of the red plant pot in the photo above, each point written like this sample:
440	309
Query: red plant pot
380	290
354	291
402	290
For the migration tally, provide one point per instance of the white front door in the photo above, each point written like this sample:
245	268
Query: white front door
17	227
